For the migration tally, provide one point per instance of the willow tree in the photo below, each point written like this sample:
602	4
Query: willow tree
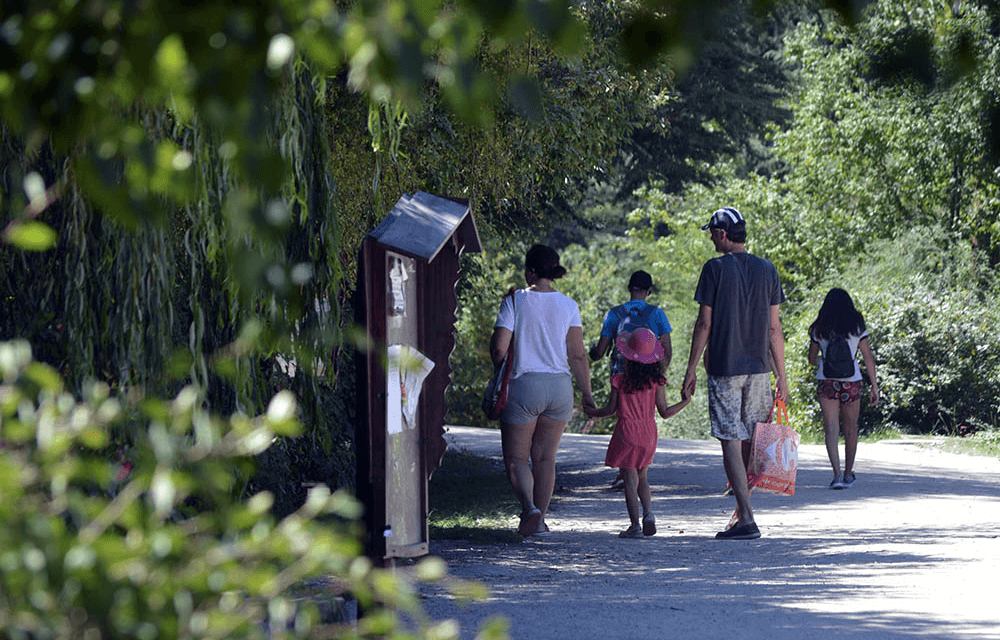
168	212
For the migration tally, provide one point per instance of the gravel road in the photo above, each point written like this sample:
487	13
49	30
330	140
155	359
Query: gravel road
912	550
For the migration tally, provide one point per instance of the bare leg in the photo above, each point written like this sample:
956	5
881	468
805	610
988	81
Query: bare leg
851	412
632	494
645	497
516	443
736	473
544	445
831	426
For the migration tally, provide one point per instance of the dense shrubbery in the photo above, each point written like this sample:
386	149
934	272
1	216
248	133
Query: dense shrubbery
597	279
933	315
157	543
485	279
887	186
928	299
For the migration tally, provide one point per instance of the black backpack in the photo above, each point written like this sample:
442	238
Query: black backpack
838	361
628	321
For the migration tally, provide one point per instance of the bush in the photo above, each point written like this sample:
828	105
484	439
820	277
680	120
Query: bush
324	453
940	353
484	280
597	280
158	544
931	317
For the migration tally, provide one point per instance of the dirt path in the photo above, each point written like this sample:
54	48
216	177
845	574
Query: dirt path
912	550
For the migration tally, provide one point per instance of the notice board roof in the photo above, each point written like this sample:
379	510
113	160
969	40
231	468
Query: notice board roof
421	224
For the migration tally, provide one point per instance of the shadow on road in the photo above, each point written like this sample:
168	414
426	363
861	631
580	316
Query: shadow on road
911	550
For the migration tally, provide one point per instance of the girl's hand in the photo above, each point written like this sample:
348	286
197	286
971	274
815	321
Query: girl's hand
597	412
873	395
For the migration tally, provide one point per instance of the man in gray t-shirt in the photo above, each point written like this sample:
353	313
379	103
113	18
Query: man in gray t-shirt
738	321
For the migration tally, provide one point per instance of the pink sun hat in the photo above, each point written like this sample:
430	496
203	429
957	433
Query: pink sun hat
640	345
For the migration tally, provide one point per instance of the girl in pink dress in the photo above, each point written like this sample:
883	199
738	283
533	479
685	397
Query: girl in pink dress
635	395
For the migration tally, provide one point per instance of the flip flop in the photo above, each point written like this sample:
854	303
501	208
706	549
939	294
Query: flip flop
530	521
648	525
733	519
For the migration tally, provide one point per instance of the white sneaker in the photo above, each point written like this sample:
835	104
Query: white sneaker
848	481
838	482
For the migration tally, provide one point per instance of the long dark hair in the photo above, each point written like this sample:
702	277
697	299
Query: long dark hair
639	376
837	315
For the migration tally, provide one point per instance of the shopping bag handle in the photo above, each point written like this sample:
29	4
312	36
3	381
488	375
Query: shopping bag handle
781	410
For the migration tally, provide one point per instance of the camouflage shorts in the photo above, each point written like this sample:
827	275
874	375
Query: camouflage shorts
737	403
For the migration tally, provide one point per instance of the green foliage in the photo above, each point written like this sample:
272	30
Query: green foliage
888	188
158	307
210	121
872	152
559	124
932	314
485	280
720	106
157	544
929	312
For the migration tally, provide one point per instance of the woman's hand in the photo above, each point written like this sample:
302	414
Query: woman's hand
813	353
499	342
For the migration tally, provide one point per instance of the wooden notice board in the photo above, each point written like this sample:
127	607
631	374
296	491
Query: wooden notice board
409	267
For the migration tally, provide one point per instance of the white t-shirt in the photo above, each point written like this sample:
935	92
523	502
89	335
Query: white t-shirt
852	341
540	327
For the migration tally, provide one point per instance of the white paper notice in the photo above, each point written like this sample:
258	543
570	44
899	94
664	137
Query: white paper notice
414	366
394	392
397	278
408	368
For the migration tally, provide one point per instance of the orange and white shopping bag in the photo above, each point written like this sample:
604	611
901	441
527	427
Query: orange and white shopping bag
774	456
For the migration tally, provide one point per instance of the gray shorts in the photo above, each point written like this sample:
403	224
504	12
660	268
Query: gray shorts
737	403
539	394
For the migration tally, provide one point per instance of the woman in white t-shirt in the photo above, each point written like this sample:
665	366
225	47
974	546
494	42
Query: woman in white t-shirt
840	397
548	350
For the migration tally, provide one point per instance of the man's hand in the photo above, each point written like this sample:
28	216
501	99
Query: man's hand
781	388
687	388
